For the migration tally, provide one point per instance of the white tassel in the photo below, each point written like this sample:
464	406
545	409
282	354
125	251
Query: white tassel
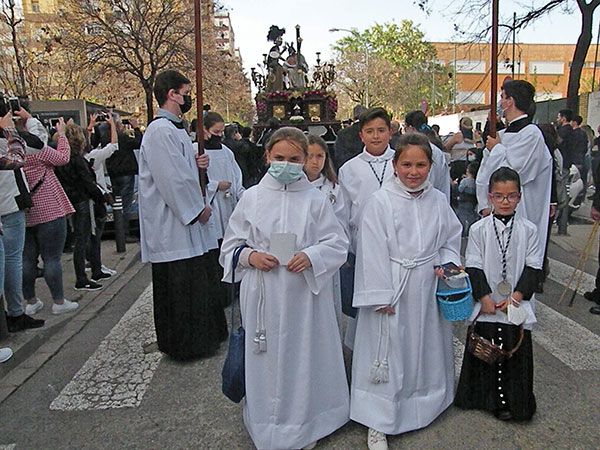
384	371
262	341
256	342
374	376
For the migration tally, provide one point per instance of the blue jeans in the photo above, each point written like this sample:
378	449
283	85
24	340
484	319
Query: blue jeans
124	186
14	241
48	240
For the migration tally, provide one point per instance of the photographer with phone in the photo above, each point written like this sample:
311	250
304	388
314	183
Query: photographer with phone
46	224
14	197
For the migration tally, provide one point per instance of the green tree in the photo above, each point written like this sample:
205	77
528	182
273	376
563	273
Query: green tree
391	65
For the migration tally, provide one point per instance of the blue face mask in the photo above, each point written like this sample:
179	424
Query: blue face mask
286	172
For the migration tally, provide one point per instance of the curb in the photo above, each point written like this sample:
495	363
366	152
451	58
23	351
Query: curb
32	355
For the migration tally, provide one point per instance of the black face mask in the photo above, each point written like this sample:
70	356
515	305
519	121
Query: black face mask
187	104
214	142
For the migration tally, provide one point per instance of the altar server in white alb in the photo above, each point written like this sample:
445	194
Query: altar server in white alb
320	173
521	147
504	261
359	178
223	169
296	390
403	362
175	237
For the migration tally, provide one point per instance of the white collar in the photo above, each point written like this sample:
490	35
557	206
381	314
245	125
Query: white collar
395	185
387	155
522	116
319	182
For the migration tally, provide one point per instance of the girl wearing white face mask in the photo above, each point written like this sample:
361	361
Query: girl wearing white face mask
296	391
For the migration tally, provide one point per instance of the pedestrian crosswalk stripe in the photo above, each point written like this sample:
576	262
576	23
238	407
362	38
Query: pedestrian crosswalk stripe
118	374
561	272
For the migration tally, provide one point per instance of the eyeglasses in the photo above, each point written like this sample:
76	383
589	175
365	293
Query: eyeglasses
513	197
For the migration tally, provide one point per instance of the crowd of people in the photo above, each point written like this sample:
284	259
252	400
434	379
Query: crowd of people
53	199
339	249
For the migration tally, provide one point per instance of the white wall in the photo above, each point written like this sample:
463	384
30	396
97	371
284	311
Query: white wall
593	117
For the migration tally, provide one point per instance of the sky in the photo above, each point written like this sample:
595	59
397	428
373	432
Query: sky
251	20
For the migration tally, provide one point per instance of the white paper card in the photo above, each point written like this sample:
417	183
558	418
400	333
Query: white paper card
516	314
283	247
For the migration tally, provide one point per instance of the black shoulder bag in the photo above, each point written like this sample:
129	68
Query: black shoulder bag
234	368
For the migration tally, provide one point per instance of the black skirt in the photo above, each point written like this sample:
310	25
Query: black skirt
189	322
506	386
219	290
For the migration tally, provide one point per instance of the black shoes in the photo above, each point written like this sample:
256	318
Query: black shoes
595	309
88	286
23	322
592	296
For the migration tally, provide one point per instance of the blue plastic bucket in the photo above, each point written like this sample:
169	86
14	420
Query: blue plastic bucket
456	303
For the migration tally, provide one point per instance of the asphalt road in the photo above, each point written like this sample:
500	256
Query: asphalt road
101	391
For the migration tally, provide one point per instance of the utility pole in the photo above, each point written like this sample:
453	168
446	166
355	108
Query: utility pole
454	77
199	98
514	34
494	69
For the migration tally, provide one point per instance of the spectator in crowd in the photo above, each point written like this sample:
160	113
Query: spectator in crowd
241	150
348	143
46	224
396	133
436	129
458	144
581	144
273	125
121	165
594	296
565	136
467	199
79	183
256	158
12	228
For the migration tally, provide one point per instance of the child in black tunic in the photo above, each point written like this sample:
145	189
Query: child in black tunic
503	251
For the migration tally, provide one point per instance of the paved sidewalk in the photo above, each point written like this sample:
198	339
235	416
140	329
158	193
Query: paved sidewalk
32	348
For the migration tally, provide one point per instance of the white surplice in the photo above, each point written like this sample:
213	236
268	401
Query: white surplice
483	252
401	238
359	178
525	152
296	391
335	195
439	175
223	167
170	197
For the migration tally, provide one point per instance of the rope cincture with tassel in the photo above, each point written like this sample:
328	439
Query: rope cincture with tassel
579	269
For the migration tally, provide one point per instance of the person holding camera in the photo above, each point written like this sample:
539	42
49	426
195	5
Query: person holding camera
46	223
14	199
122	167
108	145
79	183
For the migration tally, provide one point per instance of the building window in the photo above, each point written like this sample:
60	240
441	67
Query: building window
35	6
466	66
546	67
470	97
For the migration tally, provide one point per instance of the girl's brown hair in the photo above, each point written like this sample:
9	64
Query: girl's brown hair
416	139
291	135
327	170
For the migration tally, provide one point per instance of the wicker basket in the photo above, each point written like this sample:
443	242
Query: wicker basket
487	351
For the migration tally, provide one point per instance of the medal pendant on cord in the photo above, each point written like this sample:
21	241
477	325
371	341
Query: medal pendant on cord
504	287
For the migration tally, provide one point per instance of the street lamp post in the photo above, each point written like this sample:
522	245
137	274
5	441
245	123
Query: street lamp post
366	44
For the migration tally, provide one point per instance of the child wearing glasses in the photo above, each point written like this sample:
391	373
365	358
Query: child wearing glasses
504	261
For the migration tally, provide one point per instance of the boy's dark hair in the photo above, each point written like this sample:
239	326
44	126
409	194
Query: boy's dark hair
504	175
578	119
230	131
328	167
372	114
473	168
211	118
418	121
165	81
522	92
206	107
246	132
416	139
567	114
